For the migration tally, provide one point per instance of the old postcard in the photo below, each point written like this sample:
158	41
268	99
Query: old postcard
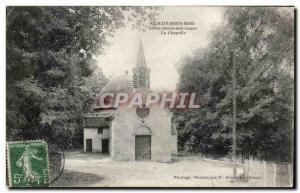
150	96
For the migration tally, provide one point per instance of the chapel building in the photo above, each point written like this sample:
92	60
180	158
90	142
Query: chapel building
128	134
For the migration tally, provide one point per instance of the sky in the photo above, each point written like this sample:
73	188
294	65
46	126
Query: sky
162	52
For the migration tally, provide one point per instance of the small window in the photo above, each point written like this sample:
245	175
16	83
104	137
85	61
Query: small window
100	131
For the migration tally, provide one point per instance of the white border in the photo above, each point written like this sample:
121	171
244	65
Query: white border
152	2
5	3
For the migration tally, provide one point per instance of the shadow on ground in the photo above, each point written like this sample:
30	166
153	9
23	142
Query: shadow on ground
76	179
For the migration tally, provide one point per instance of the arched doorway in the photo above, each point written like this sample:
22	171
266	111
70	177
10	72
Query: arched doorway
142	143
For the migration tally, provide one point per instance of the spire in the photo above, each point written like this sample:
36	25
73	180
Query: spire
141	62
141	74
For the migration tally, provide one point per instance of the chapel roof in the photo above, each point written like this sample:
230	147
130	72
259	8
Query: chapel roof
140	61
120	84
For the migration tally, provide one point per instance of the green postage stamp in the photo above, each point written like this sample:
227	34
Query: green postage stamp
28	164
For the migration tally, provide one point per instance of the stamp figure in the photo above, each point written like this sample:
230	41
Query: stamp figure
28	164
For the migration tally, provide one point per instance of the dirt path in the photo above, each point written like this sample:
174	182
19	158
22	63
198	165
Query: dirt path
181	173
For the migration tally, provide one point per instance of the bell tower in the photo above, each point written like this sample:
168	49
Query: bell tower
141	74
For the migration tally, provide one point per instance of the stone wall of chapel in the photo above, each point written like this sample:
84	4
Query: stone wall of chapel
123	134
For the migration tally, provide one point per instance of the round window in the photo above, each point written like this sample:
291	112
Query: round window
143	112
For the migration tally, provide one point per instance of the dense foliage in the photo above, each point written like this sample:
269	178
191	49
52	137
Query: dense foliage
50	67
261	43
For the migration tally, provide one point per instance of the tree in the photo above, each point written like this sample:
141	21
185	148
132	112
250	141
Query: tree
50	64
260	41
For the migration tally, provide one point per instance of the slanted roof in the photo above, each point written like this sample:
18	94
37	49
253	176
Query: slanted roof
141	62
98	119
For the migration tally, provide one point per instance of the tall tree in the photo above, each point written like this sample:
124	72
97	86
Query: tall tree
260	41
50	64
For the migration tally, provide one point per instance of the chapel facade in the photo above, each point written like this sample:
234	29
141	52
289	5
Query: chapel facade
128	134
